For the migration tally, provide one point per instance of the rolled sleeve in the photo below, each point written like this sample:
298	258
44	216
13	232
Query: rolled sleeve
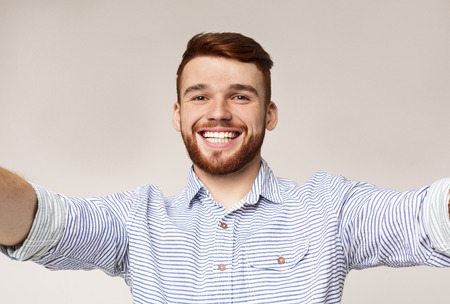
47	228
436	215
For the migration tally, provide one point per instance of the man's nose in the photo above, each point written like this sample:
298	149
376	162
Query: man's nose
219	110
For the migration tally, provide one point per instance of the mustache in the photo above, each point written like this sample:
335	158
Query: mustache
217	124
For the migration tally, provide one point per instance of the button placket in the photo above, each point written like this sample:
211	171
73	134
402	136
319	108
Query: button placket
224	253
224	244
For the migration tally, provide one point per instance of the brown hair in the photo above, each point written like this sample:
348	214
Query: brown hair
228	45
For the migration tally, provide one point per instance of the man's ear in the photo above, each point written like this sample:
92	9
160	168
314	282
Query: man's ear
176	121
271	116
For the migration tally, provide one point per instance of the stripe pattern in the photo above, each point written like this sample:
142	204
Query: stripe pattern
47	228
284	243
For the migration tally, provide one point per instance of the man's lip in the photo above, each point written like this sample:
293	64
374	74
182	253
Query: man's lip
219	139
221	130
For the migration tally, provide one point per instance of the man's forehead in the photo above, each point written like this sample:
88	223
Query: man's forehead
220	71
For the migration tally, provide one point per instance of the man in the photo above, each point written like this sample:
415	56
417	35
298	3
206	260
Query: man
236	233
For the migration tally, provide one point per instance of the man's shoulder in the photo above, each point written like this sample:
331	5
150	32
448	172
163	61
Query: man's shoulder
317	178
319	182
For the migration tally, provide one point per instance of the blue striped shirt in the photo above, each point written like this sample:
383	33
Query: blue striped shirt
283	243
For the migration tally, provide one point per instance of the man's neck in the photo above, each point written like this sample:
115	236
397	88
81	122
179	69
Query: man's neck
229	189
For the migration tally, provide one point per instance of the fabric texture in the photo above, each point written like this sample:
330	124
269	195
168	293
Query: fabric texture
284	243
436	211
47	228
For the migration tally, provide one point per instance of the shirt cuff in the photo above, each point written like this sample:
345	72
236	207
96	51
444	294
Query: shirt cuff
436	215
47	229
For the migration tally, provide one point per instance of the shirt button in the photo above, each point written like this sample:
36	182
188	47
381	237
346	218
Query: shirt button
223	225
281	260
222	267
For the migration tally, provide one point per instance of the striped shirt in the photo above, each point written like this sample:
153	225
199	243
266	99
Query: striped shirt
283	243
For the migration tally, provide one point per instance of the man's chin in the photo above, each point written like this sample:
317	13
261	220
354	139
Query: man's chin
222	166
214	168
223	161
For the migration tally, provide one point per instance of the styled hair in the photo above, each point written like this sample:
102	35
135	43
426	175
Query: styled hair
228	45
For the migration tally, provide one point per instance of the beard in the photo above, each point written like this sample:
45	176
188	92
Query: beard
216	164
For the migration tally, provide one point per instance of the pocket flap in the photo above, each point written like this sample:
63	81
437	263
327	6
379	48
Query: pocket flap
270	252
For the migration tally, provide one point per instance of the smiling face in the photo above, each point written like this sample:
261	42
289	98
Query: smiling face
222	114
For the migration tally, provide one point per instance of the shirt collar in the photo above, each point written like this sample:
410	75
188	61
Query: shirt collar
194	185
265	185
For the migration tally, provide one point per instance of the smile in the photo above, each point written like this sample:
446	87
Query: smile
219	137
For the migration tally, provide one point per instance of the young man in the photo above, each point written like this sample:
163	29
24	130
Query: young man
236	233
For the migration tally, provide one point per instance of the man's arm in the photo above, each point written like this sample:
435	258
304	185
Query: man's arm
18	205
449	204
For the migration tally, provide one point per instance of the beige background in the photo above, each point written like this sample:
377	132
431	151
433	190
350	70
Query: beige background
87	86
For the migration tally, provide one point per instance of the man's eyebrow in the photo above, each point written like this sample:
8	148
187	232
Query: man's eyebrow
244	87
235	87
196	87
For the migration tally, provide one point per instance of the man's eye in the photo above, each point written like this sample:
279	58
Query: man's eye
241	97
199	98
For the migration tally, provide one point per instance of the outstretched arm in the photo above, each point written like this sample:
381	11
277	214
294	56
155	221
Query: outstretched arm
18	205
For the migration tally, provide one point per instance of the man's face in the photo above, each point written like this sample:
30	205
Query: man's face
222	115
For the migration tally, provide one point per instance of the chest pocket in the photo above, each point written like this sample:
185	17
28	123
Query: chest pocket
265	251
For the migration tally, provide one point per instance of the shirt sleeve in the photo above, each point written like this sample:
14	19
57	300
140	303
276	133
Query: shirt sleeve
95	235
436	215
47	228
381	227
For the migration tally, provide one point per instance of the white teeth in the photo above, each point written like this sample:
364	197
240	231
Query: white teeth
218	140
220	135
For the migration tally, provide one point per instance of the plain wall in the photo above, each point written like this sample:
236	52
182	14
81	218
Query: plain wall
87	91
